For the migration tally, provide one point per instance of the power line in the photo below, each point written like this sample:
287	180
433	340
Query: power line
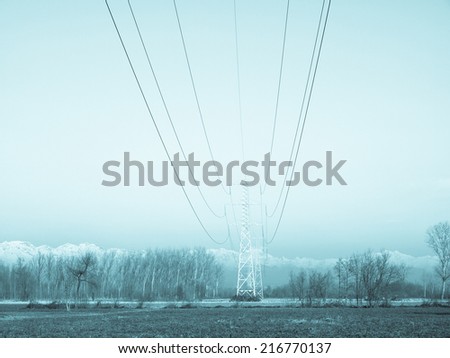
305	116
193	84
279	81
165	105
305	94
238	74
197	98
156	125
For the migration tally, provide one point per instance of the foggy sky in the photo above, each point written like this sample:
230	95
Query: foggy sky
70	103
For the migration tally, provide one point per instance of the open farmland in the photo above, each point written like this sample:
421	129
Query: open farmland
219	321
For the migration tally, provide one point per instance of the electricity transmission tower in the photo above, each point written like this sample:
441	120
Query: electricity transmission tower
249	282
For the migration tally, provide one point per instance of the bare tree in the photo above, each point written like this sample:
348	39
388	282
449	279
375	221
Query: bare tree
37	267
5	281
354	270
378	274
82	271
297	282
318	285
340	269
48	277
438	238
217	275
23	282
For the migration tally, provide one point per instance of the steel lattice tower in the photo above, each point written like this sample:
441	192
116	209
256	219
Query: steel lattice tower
249	282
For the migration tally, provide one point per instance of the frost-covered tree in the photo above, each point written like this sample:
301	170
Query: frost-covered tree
438	238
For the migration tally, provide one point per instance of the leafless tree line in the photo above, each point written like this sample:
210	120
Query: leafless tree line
369	276
183	274
372	277
194	274
310	286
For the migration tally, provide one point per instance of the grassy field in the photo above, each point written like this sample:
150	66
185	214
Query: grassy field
253	321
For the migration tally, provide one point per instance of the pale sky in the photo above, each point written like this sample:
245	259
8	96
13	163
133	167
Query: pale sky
69	103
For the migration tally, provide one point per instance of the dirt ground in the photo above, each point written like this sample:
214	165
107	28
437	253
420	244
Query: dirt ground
192	321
